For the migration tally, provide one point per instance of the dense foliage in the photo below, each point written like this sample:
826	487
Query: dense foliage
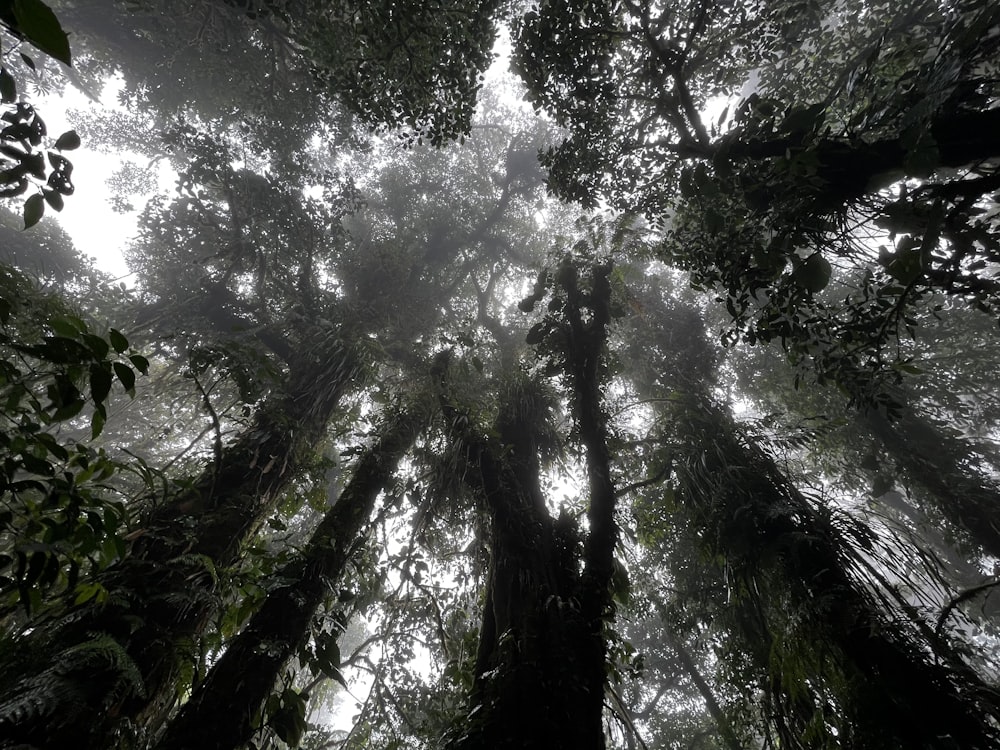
661	416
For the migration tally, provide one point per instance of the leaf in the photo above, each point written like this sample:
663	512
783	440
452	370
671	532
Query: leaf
100	382
328	657
36	465
34	209
118	341
536	334
8	88
907	263
60	163
68	141
140	363
54	199
67	326
289	721
814	274
126	375
28	61
88	591
39	25
337	675
804	120
97	421
97	345
34	164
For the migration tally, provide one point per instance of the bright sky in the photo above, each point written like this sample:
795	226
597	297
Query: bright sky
97	230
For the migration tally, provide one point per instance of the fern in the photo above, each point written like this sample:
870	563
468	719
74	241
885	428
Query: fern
99	660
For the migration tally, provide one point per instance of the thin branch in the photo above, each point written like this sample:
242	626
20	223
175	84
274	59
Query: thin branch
655	479
620	710
961	597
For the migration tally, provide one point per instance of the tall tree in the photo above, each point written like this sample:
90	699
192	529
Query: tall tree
584	488
764	204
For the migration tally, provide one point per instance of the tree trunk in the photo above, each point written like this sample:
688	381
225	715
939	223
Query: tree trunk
704	689
221	712
116	661
937	462
784	557
532	685
541	666
847	170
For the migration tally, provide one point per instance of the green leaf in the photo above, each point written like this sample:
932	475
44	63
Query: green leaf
40	26
67	326
68	411
118	341
36	465
8	88
34	209
289	721
100	382
140	363
97	345
813	275
87	591
68	141
54	199
97	421
126	375
328	657
52	445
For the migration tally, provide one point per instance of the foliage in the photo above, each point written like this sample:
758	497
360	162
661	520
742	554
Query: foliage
22	163
59	519
400	64
609	531
790	183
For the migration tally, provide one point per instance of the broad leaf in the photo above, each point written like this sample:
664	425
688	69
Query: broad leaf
41	27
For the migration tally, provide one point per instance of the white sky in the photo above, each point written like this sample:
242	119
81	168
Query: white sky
97	230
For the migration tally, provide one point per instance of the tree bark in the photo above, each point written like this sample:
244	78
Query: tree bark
584	350
774	543
849	169
222	710
541	666
935	461
526	691
162	594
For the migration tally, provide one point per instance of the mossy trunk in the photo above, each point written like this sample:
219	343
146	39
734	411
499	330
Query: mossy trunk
541	667
534	683
115	662
223	709
786	566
